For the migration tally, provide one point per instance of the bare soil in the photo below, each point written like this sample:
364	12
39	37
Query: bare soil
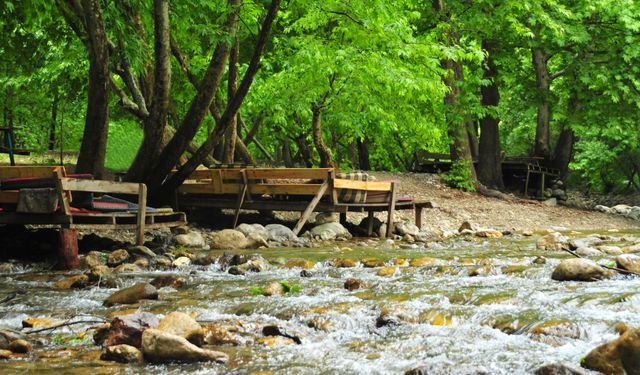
453	207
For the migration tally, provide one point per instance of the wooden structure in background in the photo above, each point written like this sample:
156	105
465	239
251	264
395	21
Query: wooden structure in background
70	220
305	190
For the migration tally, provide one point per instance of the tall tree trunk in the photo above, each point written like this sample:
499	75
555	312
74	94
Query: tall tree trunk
352	154
563	152
286	153
232	131
326	157
94	140
363	154
457	129
54	119
155	123
543	80
233	106
489	162
474	145
199	106
304	151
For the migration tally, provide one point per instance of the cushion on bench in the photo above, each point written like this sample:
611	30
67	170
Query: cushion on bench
353	195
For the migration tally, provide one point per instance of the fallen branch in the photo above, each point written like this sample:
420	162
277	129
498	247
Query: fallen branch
65	324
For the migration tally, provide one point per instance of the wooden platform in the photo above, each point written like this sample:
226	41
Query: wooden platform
305	190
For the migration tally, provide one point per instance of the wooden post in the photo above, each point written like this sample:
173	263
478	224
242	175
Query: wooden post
312	205
542	184
68	249
142	213
526	184
240	201
370	218
391	210
343	218
418	210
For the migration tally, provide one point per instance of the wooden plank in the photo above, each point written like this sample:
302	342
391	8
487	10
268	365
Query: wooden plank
243	193
340	183
392	208
9	196
100	186
370	218
288	173
312	205
142	211
7	172
418	211
256	189
65	197
333	193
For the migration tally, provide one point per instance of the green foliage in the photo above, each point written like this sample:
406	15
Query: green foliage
460	177
286	286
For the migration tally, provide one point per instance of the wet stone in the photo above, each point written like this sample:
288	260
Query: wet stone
558	369
160	347
132	294
128	329
180	324
20	346
306	273
172	281
122	353
353	284
76	281
117	257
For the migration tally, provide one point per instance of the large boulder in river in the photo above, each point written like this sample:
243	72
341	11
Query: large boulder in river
405	227
132	294
558	369
160	347
629	262
183	325
128	329
329	231
229	239
579	269
279	233
620	356
190	239
553	241
8	335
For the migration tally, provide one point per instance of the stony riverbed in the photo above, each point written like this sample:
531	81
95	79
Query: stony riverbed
463	305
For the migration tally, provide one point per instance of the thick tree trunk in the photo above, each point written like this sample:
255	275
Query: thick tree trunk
155	123
352	154
326	157
363	154
563	152
474	145
286	153
304	151
94	140
199	106
230	112
490	161
543	81
231	134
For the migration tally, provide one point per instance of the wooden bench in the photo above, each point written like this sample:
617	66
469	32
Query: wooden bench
70	219
290	189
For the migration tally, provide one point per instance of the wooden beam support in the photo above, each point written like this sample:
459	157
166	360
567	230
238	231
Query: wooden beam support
370	217
68	249
392	208
418	211
312	205
142	212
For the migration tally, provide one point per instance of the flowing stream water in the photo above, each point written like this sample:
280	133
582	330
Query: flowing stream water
480	306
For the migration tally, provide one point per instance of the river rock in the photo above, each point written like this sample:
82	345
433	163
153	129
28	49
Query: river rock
468	226
127	268
141	251
619	356
160	347
621	209
634	213
273	330
132	294
488	233
602	208
550	202
578	269
386	271
364	224
404	227
586	251
8	335
75	281
20	346
172	281
629	262
631	249
611	250
122	353
329	231
585	242
255	229
255	241
422	370
558	369
180	324
94	259
190	239
142	263
279	233
273	289
345	263
225	334
353	284
101	334
117	257
181	262
98	272
128	329
229	239
5	354
552	241
299	263
325	217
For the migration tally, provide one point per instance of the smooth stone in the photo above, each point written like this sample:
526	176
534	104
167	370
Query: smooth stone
578	269
118	257
127	268
94	259
142	251
181	324
404	227
468	226
253	229
8	335
610	250
161	347
558	369
132	294
588	251
353	283
552	241
325	217
386	271
20	346
299	263
190	239
181	262
345	263
229	239
76	281
329	231
629	262
488	233
122	353
279	233
273	289
619	356
172	281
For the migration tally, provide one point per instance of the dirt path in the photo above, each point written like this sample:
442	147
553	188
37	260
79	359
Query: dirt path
454	207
